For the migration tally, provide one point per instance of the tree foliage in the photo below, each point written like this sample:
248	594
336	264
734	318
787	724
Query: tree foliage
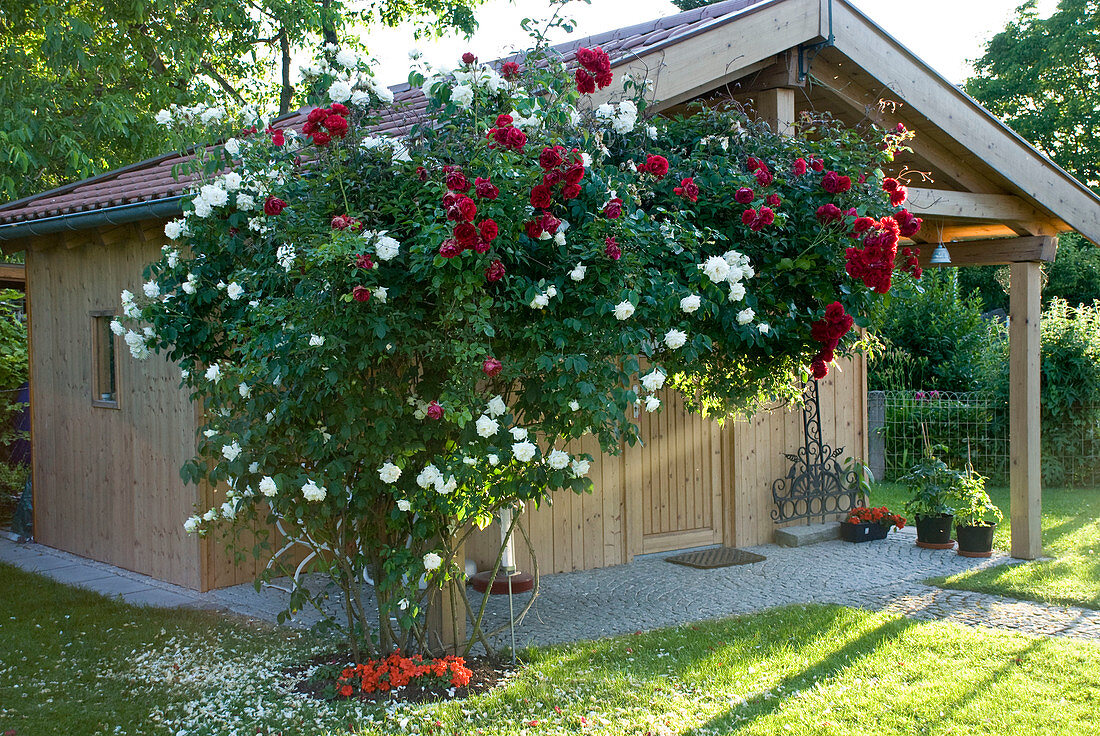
81	81
1042	77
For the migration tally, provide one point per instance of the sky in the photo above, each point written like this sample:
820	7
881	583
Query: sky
946	34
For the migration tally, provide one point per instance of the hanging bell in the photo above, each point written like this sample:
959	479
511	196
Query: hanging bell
940	256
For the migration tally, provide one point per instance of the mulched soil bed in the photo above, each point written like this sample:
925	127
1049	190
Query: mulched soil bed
485	676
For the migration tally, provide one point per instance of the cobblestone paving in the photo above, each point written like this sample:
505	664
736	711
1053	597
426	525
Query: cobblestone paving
651	593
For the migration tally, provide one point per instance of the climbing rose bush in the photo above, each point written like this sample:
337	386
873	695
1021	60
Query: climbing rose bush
393	338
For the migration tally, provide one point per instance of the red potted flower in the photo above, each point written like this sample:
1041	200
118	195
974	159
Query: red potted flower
865	524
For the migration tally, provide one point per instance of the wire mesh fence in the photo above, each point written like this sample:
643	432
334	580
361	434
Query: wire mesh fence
14	453
974	426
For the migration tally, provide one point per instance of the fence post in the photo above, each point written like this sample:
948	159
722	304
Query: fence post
876	437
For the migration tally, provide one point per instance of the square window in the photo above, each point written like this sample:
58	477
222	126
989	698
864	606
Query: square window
104	363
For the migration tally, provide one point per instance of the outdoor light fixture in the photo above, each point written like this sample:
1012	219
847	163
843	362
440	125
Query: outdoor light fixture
940	256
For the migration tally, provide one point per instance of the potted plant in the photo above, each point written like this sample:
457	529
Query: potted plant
932	485
976	516
865	524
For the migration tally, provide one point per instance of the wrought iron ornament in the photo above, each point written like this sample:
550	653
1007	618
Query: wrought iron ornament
816	485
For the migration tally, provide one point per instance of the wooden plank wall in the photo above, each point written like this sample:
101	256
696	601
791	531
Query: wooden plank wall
107	482
743	458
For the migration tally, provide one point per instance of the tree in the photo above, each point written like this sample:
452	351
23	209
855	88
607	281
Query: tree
80	82
398	338
1042	77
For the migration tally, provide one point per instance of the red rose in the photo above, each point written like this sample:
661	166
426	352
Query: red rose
819	368
336	125
908	225
764	177
549	223
435	411
495	272
533	228
586	57
827	213
656	165
488	229
611	249
363	260
320	138
541	196
744	195
688	189
748	216
817	164
421	173
467	208
317	114
571	191
278	138
773	200
481	246
575	173
604	79
898	196
550	157
503	120
491	367
273	206
613	210
468	58
516	138
456	181
586	84
753	163
337	108
799	167
510	70
485	189
766	216
553	178
449	249
465	234
360	293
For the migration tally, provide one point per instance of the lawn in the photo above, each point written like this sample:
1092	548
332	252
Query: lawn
1071	536
74	663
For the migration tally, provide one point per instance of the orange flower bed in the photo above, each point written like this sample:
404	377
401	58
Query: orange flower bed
880	515
396	671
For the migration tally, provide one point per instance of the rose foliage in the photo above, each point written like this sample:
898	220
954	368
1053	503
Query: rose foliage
394	338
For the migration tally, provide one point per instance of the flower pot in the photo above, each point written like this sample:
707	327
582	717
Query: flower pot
865	532
934	532
975	541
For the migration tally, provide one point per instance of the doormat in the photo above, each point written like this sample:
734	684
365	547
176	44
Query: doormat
718	557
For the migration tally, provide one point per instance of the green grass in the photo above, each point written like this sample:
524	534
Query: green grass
1071	535
73	663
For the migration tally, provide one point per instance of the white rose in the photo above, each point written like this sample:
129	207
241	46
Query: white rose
551	291
574	405
493	459
487	427
234	291
557	459
652	403
233	146
675	339
691	303
231	452
580	467
764	328
245	202
623	310
202	208
386	248
462	95
268	487
117	328
192	524
523	451
518	433
745	316
244	390
232	181
164	118
389	473
497	407
716	269
229	511
339	91
540	301
403	505
381	293
432	561
214	194
653	381
428	476
176	229
737	292
151	289
577	274
214	373
316	341
312	492
346	58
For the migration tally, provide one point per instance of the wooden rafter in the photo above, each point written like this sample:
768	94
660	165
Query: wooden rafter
996	252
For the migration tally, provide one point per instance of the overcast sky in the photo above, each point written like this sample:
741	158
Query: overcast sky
946	34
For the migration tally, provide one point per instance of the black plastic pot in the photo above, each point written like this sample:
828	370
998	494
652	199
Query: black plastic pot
865	532
975	541
934	529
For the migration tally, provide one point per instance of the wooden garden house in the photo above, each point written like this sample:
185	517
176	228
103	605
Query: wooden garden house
110	434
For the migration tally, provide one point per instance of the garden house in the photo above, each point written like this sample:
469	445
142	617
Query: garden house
110	434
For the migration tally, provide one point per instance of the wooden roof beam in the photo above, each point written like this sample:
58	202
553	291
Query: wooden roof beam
1008	209
996	252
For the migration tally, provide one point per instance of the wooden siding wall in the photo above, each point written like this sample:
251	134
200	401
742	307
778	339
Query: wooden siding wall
106	481
624	515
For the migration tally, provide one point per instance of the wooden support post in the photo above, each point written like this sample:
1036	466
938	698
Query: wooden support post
776	108
1023	411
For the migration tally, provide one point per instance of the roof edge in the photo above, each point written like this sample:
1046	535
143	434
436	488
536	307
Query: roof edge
117	215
